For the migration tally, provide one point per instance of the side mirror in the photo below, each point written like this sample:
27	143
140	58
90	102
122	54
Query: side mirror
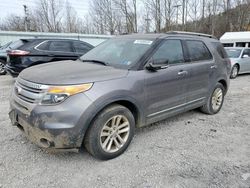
158	64
245	56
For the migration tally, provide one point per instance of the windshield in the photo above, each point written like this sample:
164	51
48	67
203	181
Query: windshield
233	53
121	53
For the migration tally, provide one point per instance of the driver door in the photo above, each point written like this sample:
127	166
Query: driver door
165	89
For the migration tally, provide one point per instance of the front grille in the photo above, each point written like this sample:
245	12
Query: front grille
27	94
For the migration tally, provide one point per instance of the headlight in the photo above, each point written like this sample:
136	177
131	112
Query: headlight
57	94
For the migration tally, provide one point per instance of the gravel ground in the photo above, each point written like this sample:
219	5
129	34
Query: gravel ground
189	150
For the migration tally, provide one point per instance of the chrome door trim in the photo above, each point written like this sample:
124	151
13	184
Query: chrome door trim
172	108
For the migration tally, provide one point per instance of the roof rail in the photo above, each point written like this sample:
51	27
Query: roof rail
191	33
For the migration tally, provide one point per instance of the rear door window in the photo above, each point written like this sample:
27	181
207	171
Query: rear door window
198	51
60	46
43	46
170	50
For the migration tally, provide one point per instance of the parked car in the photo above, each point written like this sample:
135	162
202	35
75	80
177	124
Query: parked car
126	82
240	60
3	57
30	52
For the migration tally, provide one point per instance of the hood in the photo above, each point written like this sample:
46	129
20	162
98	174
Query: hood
70	72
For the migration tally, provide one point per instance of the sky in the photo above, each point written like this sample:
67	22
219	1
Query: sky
16	6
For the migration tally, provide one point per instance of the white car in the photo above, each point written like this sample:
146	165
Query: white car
240	60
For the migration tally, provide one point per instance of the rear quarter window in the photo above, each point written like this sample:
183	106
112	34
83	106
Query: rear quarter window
198	51
220	49
81	47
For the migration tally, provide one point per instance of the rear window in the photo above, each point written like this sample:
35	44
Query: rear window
6	45
220	49
17	44
198	51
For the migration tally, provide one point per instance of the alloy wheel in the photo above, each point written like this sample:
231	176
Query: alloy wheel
234	72
2	67
114	133
217	99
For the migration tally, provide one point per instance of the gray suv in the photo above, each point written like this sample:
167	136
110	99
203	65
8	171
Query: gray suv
126	82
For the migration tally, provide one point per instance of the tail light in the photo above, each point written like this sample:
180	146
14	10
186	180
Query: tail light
18	52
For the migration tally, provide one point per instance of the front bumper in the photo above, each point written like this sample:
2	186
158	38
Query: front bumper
13	71
59	126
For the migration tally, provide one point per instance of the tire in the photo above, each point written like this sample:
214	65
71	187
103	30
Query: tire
234	72
2	64
102	134
215	100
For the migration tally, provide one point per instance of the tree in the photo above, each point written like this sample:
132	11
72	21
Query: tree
50	13
71	19
13	23
104	16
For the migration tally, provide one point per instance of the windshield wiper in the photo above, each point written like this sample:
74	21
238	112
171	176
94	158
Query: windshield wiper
95	61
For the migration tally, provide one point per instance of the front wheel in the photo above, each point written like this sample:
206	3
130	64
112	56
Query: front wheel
234	72
215	100
110	133
2	65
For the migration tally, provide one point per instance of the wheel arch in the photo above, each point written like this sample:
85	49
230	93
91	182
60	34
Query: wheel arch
131	105
238	65
224	83
126	102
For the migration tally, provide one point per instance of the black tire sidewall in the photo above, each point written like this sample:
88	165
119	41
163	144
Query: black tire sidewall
218	85
97	125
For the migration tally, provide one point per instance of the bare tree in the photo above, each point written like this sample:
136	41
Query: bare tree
50	13
71	19
194	13
128	17
103	16
119	16
13	23
154	7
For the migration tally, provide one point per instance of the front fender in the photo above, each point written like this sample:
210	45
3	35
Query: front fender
104	101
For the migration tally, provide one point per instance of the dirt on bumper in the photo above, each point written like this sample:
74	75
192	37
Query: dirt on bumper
61	139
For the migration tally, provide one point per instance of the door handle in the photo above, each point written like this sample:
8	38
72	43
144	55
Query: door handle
182	73
213	67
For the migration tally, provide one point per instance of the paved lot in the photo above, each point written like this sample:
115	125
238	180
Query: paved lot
190	150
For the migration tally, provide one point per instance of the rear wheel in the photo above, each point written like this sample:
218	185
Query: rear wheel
2	65
110	133
234	72
215	100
